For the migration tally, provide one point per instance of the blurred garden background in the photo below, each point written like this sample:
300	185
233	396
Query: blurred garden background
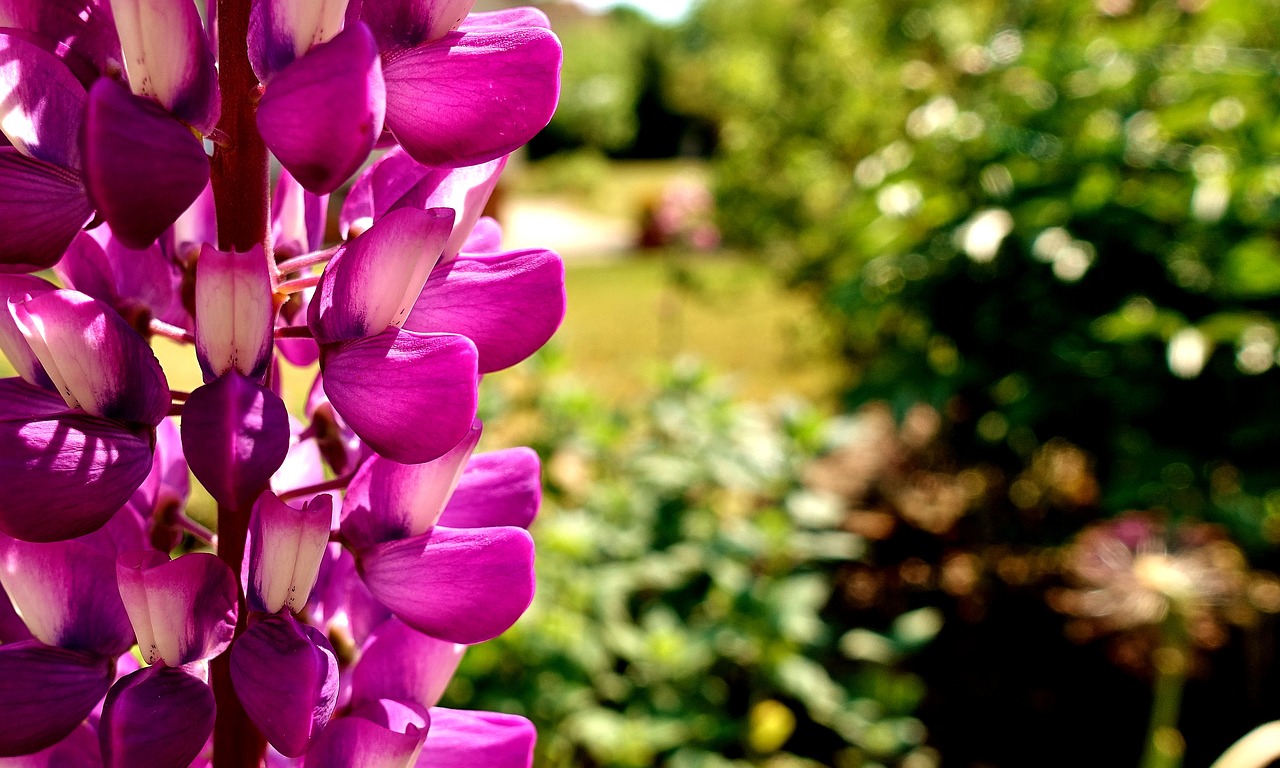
918	401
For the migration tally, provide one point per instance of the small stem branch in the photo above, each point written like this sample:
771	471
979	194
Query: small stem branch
161	328
298	285
336	484
178	396
305	260
175	409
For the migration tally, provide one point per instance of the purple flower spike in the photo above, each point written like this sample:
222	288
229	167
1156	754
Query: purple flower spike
387	500
404	665
285	549
45	693
42	207
158	717
235	434
464	586
234	312
372	283
98	363
66	592
509	304
143	168
321	115
498	488
461	739
354	742
42	102
167	58
286	676
473	96
182	610
382	383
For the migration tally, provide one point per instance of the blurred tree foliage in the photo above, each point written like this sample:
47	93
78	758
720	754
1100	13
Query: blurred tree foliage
688	611
1049	218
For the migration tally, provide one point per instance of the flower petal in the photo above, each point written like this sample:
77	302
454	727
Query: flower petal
498	488
42	103
235	317
321	115
142	167
286	676
297	218
410	22
159	717
464	586
66	592
96	360
472	97
509	304
182	610
235	434
82	29
65	475
353	742
340	600
45	693
462	739
382	383
524	16
387	500
372	282
42	207
402	664
286	546
281	31
78	750
167	58
13	344
485	237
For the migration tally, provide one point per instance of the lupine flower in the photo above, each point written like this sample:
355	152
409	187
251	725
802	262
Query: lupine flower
361	546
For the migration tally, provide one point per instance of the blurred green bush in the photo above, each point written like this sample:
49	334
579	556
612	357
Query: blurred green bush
1048	219
688	612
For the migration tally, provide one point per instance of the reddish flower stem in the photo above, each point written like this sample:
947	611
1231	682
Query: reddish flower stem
240	192
161	328
336	484
298	285
298	263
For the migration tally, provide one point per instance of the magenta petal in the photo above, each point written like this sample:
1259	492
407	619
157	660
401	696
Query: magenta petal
158	717
286	546
464	586
322	114
472	97
167	58
353	742
373	281
402	664
182	610
410	22
498	488
235	316
297	218
13	344
235	434
67	592
286	676
485	237
96	360
66	475
85	268
42	102
462	739
143	167
524	16
382	383
509	304
42	207
340	599
387	500
79	750
45	693
83	29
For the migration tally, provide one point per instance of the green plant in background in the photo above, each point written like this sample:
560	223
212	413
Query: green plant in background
686	613
1048	219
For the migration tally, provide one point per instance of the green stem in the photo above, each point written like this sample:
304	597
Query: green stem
1164	741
